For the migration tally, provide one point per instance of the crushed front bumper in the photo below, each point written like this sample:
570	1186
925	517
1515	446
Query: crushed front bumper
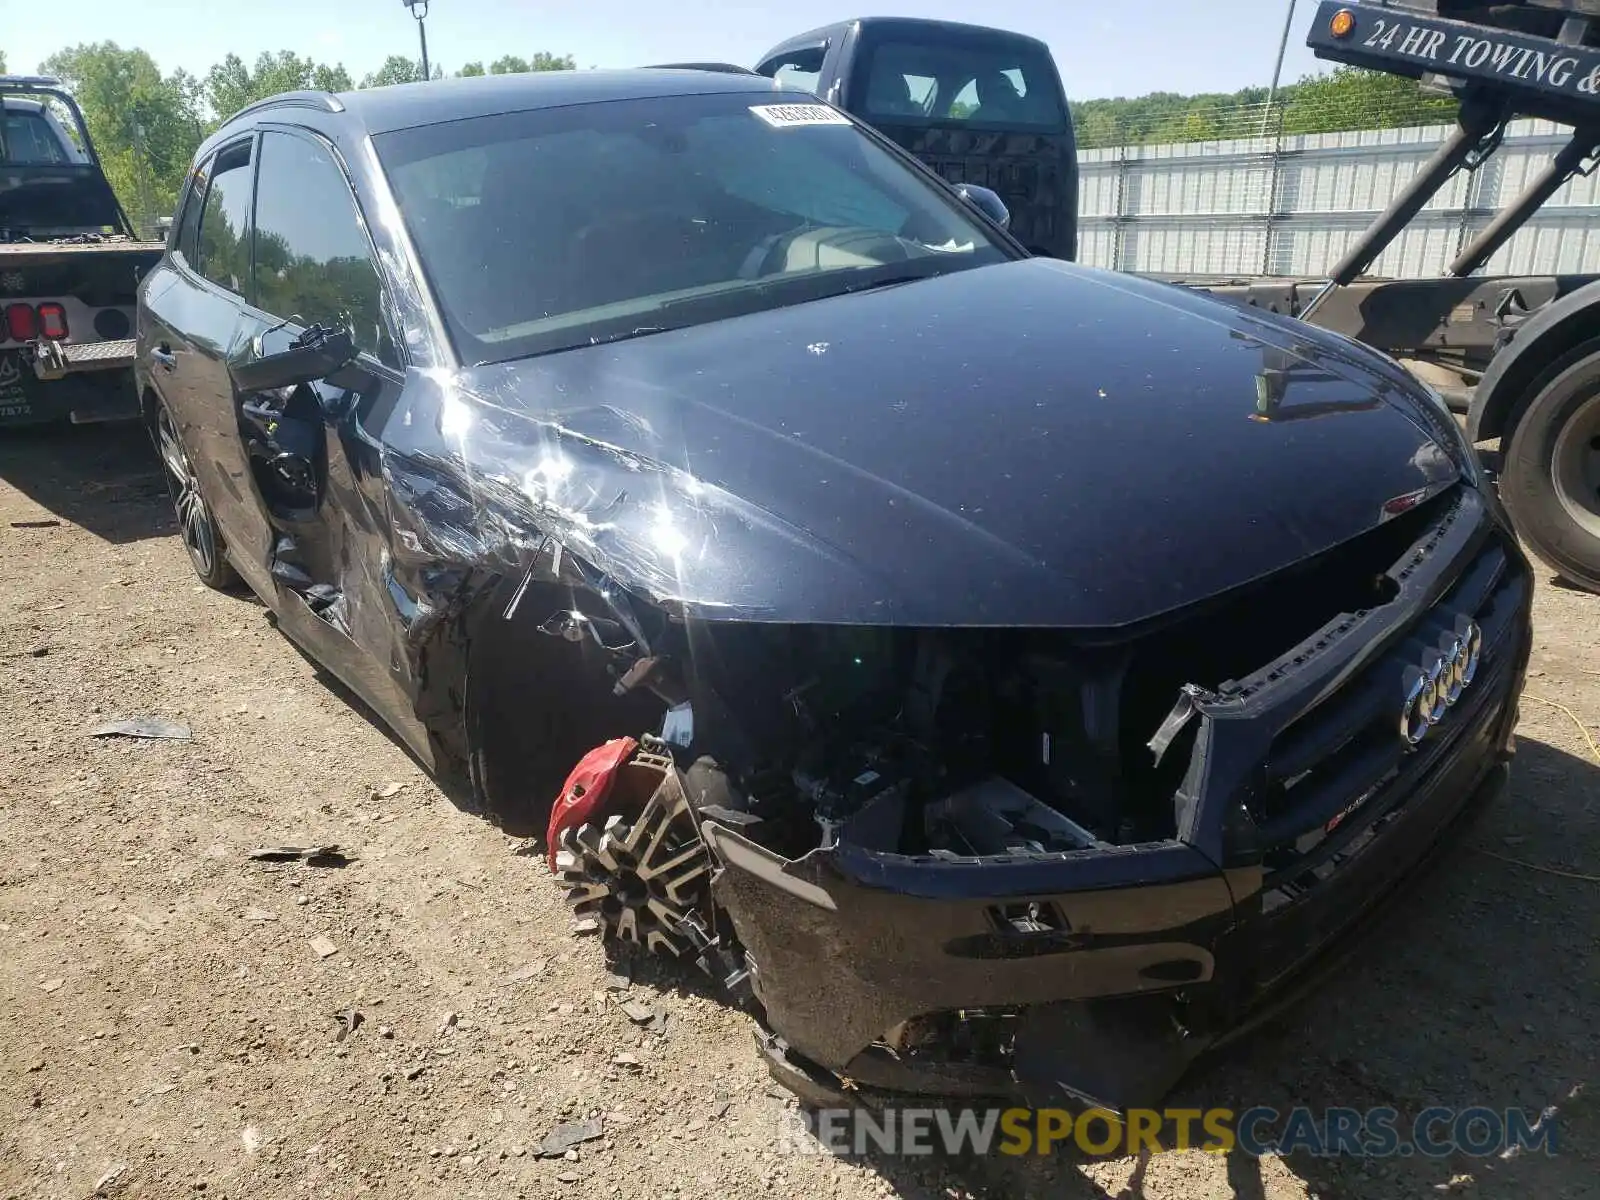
1099	976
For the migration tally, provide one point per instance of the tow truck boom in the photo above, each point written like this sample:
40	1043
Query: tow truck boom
1520	355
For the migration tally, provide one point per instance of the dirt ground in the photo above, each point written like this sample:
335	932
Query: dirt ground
171	1029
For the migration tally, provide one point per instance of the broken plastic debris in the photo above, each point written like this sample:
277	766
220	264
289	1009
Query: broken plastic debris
638	1013
564	1137
678	726
315	856
142	727
532	971
323	947
349	1021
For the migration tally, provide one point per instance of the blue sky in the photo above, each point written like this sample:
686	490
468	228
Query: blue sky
1104	48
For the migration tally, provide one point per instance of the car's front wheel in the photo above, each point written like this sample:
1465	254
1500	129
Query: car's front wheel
197	527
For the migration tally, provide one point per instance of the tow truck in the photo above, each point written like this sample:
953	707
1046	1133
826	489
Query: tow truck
70	264
1518	358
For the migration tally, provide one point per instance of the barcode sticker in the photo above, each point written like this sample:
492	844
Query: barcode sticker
786	116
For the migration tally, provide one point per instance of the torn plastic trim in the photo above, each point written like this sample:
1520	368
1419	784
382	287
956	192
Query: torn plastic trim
930	877
734	850
1451	541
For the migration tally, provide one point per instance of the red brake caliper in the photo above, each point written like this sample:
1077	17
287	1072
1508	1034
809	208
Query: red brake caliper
586	789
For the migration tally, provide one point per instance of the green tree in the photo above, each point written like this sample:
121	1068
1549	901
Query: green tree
230	85
470	70
395	69
145	126
1346	98
1350	98
513	64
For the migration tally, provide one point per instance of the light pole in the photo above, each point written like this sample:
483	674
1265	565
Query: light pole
1277	71
419	10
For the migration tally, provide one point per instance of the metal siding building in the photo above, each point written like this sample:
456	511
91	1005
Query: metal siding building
1292	205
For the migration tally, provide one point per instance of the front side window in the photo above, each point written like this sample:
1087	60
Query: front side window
550	229
1004	85
224	250
313	260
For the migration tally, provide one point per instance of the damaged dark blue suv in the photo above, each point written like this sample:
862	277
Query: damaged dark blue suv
1003	676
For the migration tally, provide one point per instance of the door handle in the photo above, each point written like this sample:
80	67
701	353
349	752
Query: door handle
163	356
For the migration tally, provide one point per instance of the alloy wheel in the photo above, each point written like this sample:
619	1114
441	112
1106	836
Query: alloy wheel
195	524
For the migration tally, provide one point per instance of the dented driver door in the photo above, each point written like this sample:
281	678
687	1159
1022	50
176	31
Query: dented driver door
315	470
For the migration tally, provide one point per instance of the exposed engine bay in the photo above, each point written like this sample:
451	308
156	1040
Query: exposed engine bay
961	743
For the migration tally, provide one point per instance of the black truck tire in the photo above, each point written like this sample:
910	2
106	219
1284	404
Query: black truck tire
1550	475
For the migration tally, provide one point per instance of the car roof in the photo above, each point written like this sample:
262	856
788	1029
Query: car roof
903	27
405	105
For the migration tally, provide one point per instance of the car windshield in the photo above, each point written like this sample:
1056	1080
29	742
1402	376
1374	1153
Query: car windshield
555	228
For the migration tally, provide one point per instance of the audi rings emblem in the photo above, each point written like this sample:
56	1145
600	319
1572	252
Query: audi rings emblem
1433	684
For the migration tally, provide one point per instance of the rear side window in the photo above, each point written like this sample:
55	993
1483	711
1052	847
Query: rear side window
313	260
224	251
991	84
798	68
188	224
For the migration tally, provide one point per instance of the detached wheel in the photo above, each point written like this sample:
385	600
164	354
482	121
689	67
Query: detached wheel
196	525
1550	479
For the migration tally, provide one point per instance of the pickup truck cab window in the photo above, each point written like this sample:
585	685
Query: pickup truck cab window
550	229
27	139
1009	86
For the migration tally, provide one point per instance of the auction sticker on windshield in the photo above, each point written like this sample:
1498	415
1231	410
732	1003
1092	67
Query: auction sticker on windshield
785	116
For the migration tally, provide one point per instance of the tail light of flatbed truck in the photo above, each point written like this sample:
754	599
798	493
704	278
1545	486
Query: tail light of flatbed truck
24	322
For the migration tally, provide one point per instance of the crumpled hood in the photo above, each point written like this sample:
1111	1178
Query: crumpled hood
1033	443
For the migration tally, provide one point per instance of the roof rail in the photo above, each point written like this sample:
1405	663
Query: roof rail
322	101
725	68
30	82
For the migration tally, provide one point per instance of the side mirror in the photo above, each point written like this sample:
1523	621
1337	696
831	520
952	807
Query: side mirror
315	354
986	202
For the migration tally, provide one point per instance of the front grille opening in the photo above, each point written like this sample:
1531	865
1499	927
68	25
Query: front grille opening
1261	623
